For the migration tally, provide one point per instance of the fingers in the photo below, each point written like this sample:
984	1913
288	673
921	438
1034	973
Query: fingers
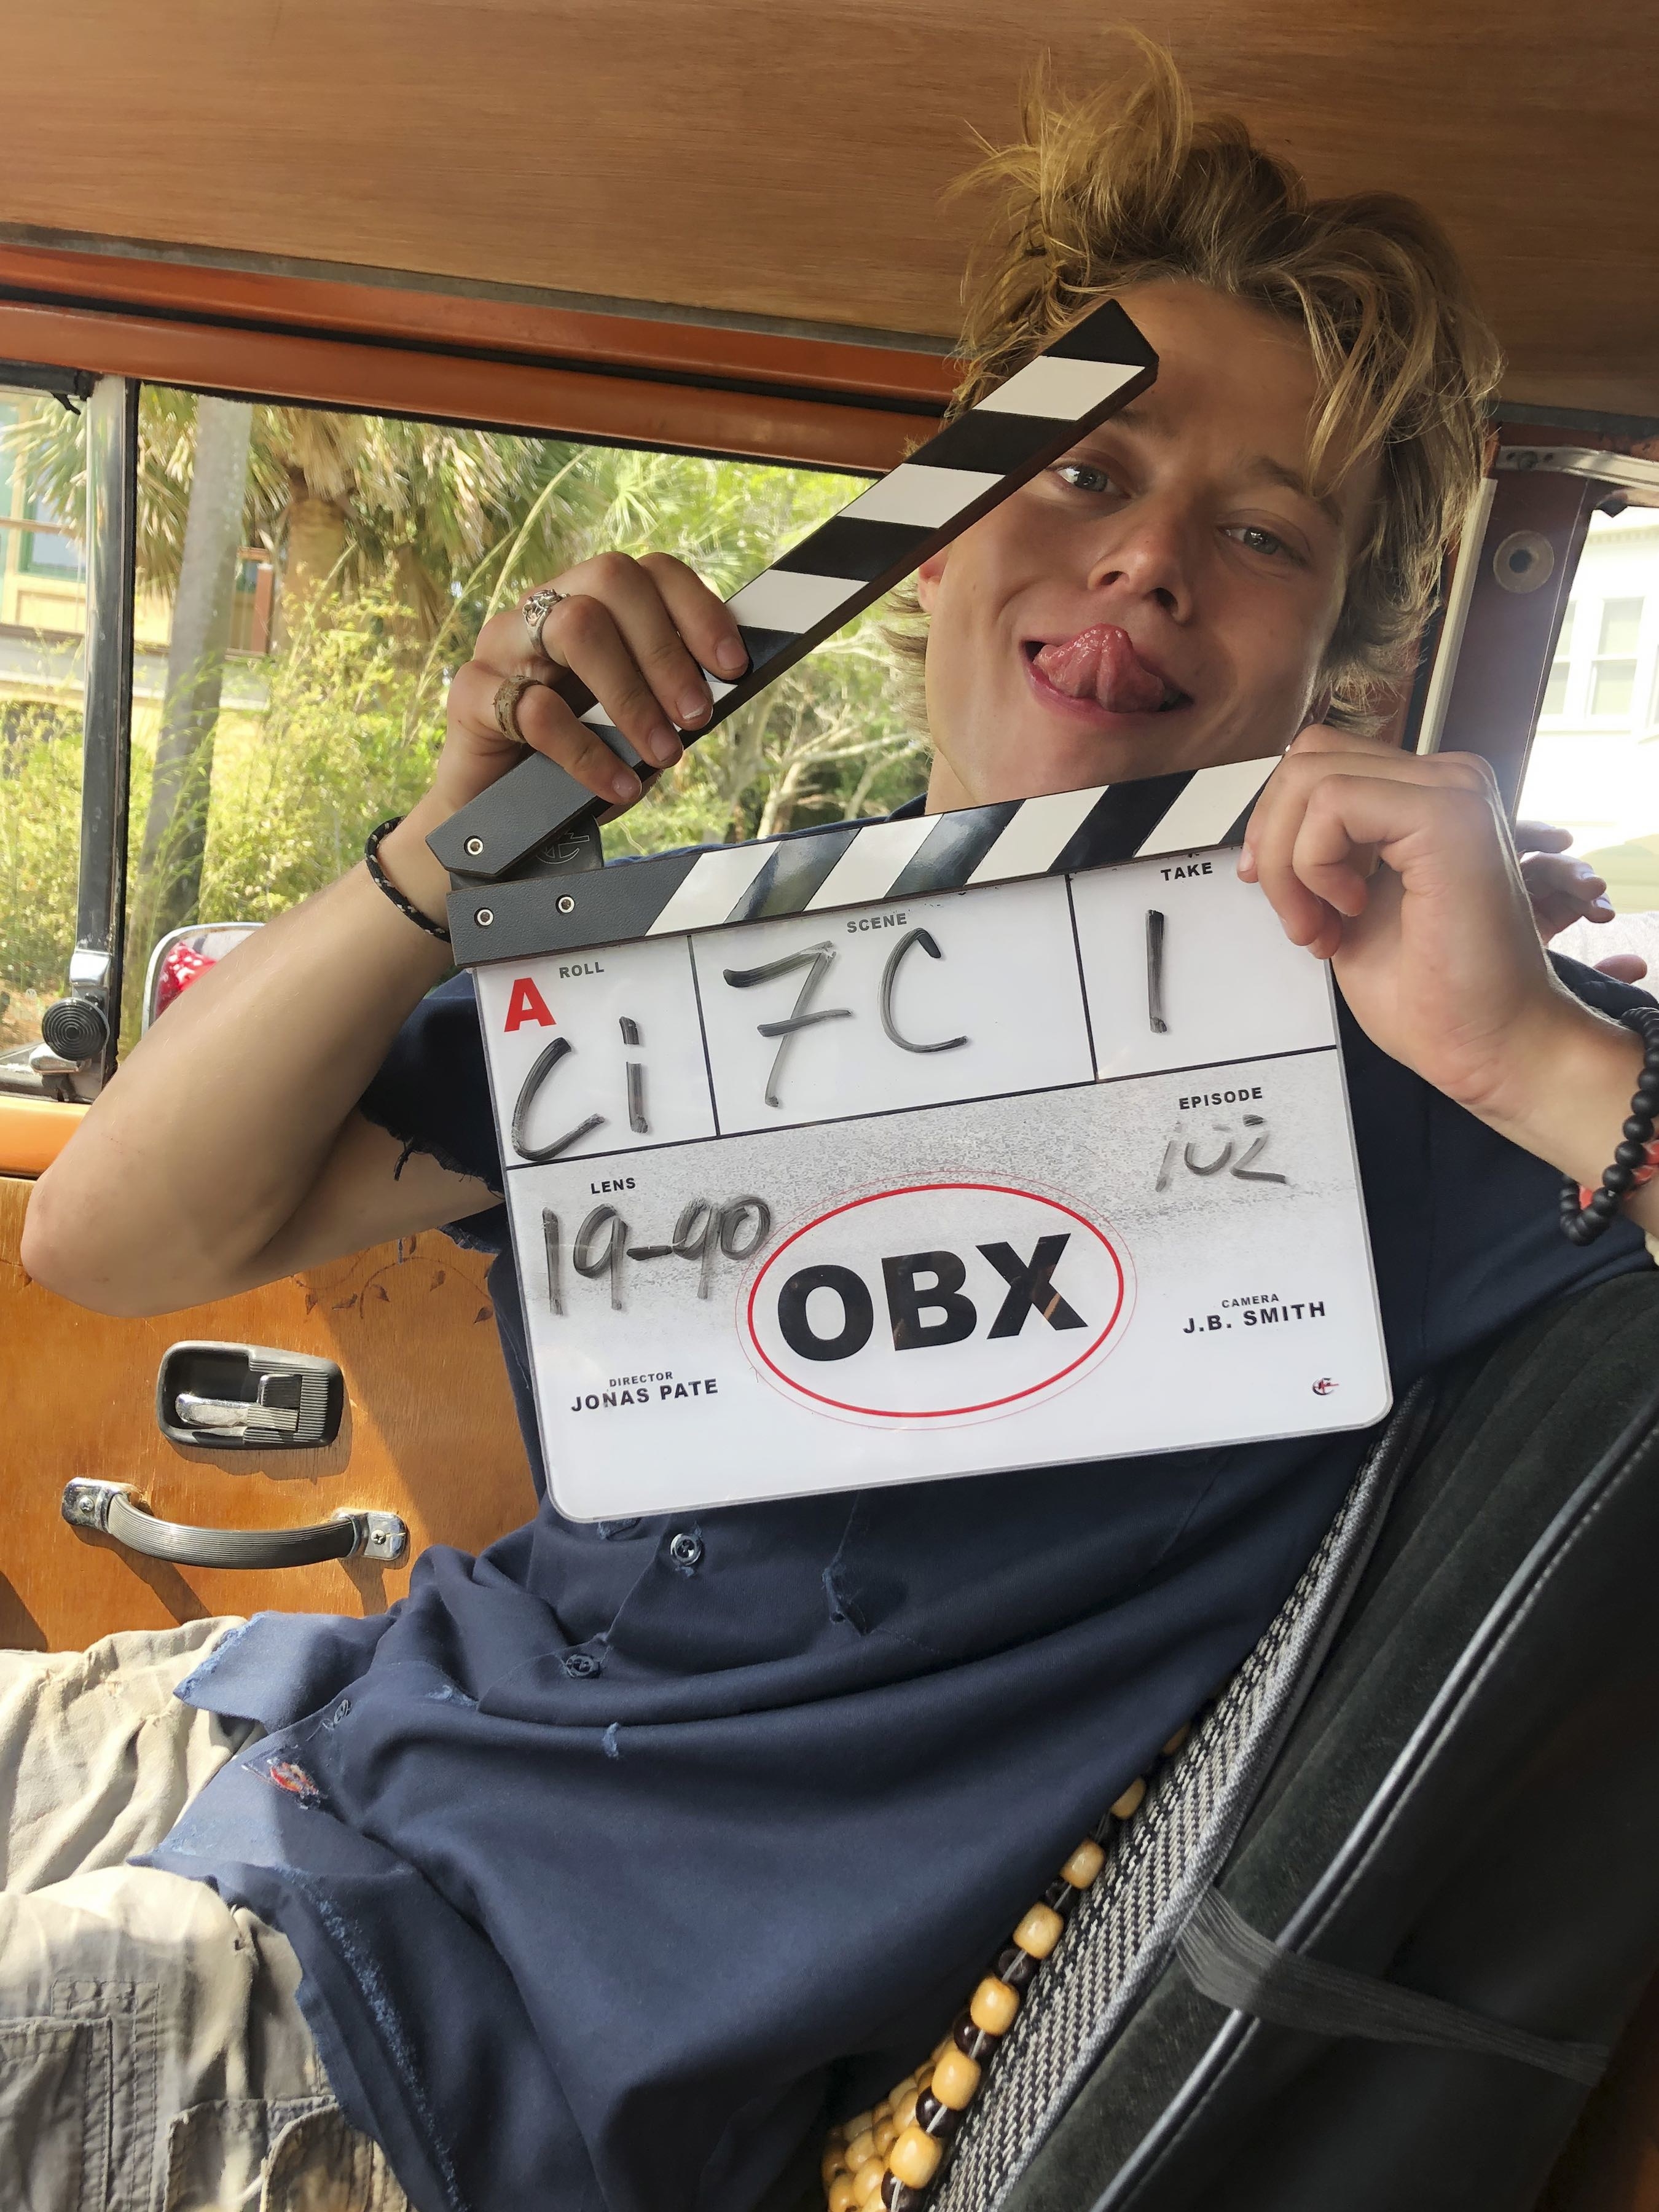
546	723
1321	737
634	632
700	616
1541	837
1326	814
1564	890
1623	967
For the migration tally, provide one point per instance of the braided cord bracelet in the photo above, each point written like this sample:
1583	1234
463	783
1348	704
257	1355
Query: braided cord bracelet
1586	1214
383	882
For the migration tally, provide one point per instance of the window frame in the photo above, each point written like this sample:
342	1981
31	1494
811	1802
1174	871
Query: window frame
1498	643
1599	659
851	401
94	328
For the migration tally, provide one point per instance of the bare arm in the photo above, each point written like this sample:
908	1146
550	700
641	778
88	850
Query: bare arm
228	1150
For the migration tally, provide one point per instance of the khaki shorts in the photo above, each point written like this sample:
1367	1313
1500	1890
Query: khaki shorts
153	2057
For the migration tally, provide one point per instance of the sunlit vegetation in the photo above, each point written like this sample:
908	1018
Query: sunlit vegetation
389	544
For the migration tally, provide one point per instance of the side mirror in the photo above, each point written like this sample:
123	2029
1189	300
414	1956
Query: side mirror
182	955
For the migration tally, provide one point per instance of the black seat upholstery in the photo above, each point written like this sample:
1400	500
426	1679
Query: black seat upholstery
1440	1768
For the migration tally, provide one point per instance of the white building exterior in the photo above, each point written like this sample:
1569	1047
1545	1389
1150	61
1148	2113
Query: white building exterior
1595	764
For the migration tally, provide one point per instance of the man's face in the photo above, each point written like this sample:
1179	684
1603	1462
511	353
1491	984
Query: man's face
1162	598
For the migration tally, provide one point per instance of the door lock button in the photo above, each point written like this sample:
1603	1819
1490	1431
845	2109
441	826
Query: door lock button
248	1397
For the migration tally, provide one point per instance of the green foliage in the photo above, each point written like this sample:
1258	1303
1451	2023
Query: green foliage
441	528
353	725
39	844
346	740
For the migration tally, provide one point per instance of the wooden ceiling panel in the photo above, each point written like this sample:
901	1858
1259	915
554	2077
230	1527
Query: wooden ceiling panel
788	158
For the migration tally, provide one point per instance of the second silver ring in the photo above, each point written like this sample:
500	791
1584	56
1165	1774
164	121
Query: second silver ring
535	610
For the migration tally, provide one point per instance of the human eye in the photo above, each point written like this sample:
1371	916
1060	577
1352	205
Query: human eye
1254	539
1084	476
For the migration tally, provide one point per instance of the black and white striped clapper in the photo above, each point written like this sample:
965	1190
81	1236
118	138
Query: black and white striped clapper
843	567
855	864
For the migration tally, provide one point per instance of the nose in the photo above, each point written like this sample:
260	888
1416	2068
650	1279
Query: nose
1145	549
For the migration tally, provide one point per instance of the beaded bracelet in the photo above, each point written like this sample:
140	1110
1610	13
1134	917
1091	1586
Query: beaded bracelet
383	882
1585	1213
891	2156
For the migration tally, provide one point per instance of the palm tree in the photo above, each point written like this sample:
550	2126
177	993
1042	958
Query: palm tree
416	533
338	500
167	892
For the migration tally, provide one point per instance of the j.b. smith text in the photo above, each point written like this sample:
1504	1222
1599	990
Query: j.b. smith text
1257	1316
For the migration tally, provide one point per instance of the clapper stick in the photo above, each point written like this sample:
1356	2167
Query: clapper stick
538	817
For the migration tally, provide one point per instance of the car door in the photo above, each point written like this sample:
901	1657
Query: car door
226	630
427	1439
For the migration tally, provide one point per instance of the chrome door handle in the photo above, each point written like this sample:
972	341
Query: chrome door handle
354	1532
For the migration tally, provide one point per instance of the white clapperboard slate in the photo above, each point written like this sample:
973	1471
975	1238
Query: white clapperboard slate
897	1150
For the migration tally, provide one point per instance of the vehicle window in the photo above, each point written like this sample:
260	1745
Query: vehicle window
308	581
42	629
1595	762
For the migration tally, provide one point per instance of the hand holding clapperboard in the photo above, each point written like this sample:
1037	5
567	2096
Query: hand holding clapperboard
935	1146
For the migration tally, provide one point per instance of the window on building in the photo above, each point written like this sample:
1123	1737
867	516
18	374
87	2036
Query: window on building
47	552
1555	690
1613	679
251	605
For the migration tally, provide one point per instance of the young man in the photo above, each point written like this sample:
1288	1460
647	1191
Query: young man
612	1866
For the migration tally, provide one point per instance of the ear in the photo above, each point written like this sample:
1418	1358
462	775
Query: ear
929	576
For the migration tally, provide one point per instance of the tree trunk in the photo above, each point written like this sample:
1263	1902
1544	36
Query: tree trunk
315	537
175	828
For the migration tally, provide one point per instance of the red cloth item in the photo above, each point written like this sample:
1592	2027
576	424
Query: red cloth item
179	969
1643	1174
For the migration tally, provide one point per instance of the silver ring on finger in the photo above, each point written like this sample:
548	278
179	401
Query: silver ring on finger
509	693
535	611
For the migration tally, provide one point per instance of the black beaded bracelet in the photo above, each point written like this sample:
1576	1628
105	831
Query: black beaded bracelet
383	882
1582	1223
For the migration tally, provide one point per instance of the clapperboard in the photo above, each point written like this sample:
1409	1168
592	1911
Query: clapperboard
935	1146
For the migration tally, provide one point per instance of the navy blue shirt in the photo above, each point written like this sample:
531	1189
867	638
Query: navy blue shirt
610	1876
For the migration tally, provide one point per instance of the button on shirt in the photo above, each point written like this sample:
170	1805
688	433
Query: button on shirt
639	1848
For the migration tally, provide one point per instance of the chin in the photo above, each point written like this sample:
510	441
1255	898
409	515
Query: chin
1126	758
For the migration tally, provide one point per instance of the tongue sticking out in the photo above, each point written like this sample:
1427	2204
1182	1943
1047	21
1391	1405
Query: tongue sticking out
1100	664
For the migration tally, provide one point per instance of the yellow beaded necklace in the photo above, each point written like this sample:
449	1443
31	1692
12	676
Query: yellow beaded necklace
892	2154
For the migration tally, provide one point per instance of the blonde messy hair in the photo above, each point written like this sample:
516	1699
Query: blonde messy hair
1128	186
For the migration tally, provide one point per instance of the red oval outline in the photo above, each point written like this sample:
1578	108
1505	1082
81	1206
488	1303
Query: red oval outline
940	1413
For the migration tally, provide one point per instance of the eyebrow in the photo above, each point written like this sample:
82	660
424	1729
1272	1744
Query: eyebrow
1263	467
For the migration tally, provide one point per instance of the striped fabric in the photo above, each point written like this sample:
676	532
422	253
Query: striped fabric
842	568
857	864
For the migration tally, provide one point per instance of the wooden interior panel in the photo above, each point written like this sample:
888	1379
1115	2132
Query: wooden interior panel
33	1132
514	394
429	1432
475	319
770	158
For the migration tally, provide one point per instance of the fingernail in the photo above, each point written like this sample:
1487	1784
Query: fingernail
663	745
731	658
1600	906
624	785
694	706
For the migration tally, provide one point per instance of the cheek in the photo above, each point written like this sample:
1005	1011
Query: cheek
1284	645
